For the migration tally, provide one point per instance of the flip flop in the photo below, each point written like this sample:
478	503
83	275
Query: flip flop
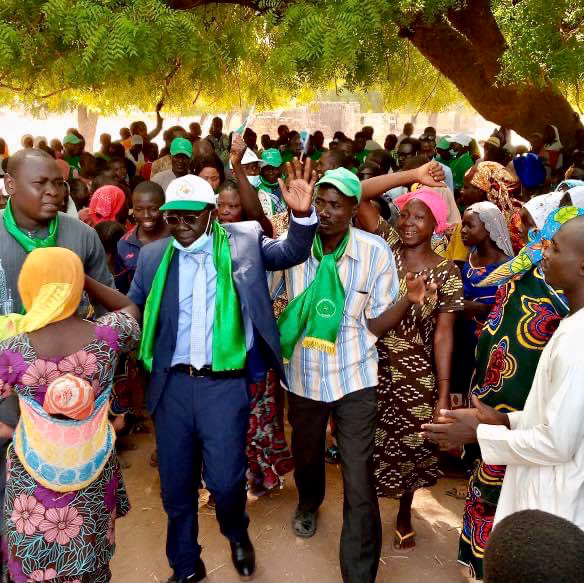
458	493
399	539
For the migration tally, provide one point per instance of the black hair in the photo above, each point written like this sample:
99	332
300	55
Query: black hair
371	165
532	546
360	135
338	135
384	159
413	142
135	181
134	126
337	157
79	193
109	233
151	188
116	150
230	184
209	162
16	160
415	162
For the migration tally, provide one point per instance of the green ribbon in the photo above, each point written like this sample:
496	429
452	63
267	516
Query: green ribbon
30	243
319	308
229	349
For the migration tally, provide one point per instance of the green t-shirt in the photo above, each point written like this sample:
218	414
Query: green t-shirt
361	156
287	156
460	166
73	161
316	155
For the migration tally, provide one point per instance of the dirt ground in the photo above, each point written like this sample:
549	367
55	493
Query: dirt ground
281	557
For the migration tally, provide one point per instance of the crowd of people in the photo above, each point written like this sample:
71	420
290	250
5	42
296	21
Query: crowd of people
419	298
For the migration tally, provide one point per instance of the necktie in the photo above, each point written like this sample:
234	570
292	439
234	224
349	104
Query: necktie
199	313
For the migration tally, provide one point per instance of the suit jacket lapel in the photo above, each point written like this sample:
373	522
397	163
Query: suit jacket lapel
171	295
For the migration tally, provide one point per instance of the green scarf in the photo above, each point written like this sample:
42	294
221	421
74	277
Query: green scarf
229	349
265	185
30	243
319	308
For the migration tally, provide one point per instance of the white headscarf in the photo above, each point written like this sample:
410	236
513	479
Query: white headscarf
577	196
495	224
540	207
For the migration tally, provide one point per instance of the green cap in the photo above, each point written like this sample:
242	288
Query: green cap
344	180
271	157
71	139
443	143
181	146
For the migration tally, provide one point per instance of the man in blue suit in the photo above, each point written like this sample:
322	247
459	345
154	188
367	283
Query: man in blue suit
206	304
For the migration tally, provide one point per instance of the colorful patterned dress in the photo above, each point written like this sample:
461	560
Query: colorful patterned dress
407	391
526	314
467	330
63	536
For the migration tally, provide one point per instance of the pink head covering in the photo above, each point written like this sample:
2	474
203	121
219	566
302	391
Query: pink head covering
433	201
106	204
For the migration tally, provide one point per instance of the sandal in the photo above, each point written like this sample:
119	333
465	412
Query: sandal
304	524
458	493
399	539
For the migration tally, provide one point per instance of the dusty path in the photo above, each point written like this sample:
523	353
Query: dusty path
281	556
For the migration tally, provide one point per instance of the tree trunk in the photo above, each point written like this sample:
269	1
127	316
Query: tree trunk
87	122
472	34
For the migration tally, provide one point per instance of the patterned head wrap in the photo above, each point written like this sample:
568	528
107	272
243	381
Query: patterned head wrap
106	204
540	207
568	184
493	179
532	253
495	224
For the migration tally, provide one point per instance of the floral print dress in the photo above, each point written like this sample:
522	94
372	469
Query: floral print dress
63	536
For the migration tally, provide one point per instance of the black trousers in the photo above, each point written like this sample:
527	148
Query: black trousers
354	416
200	421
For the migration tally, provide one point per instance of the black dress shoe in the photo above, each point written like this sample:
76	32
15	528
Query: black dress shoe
199	574
243	556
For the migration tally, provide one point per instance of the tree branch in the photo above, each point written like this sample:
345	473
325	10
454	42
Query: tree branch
27	90
188	4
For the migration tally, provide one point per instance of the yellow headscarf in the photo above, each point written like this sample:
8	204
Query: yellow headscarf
50	285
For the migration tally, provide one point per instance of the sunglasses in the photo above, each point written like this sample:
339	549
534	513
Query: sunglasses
188	220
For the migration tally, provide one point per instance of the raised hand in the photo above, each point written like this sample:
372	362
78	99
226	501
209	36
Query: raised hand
299	187
418	288
431	174
238	148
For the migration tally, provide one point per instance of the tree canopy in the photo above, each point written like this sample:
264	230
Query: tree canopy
515	61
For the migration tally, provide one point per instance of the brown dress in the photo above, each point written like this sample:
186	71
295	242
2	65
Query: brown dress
407	392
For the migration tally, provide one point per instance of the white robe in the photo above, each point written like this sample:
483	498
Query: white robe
544	450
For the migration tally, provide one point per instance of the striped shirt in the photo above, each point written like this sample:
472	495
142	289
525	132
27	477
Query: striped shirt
368	274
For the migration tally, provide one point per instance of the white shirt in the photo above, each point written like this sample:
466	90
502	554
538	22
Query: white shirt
544	450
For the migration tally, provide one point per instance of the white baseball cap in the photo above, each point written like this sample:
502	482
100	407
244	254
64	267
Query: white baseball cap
249	157
462	139
188	193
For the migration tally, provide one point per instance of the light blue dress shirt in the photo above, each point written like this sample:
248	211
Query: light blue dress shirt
187	271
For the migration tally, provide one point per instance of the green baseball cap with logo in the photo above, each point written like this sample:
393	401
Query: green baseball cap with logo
181	146
71	139
443	143
344	180
271	157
